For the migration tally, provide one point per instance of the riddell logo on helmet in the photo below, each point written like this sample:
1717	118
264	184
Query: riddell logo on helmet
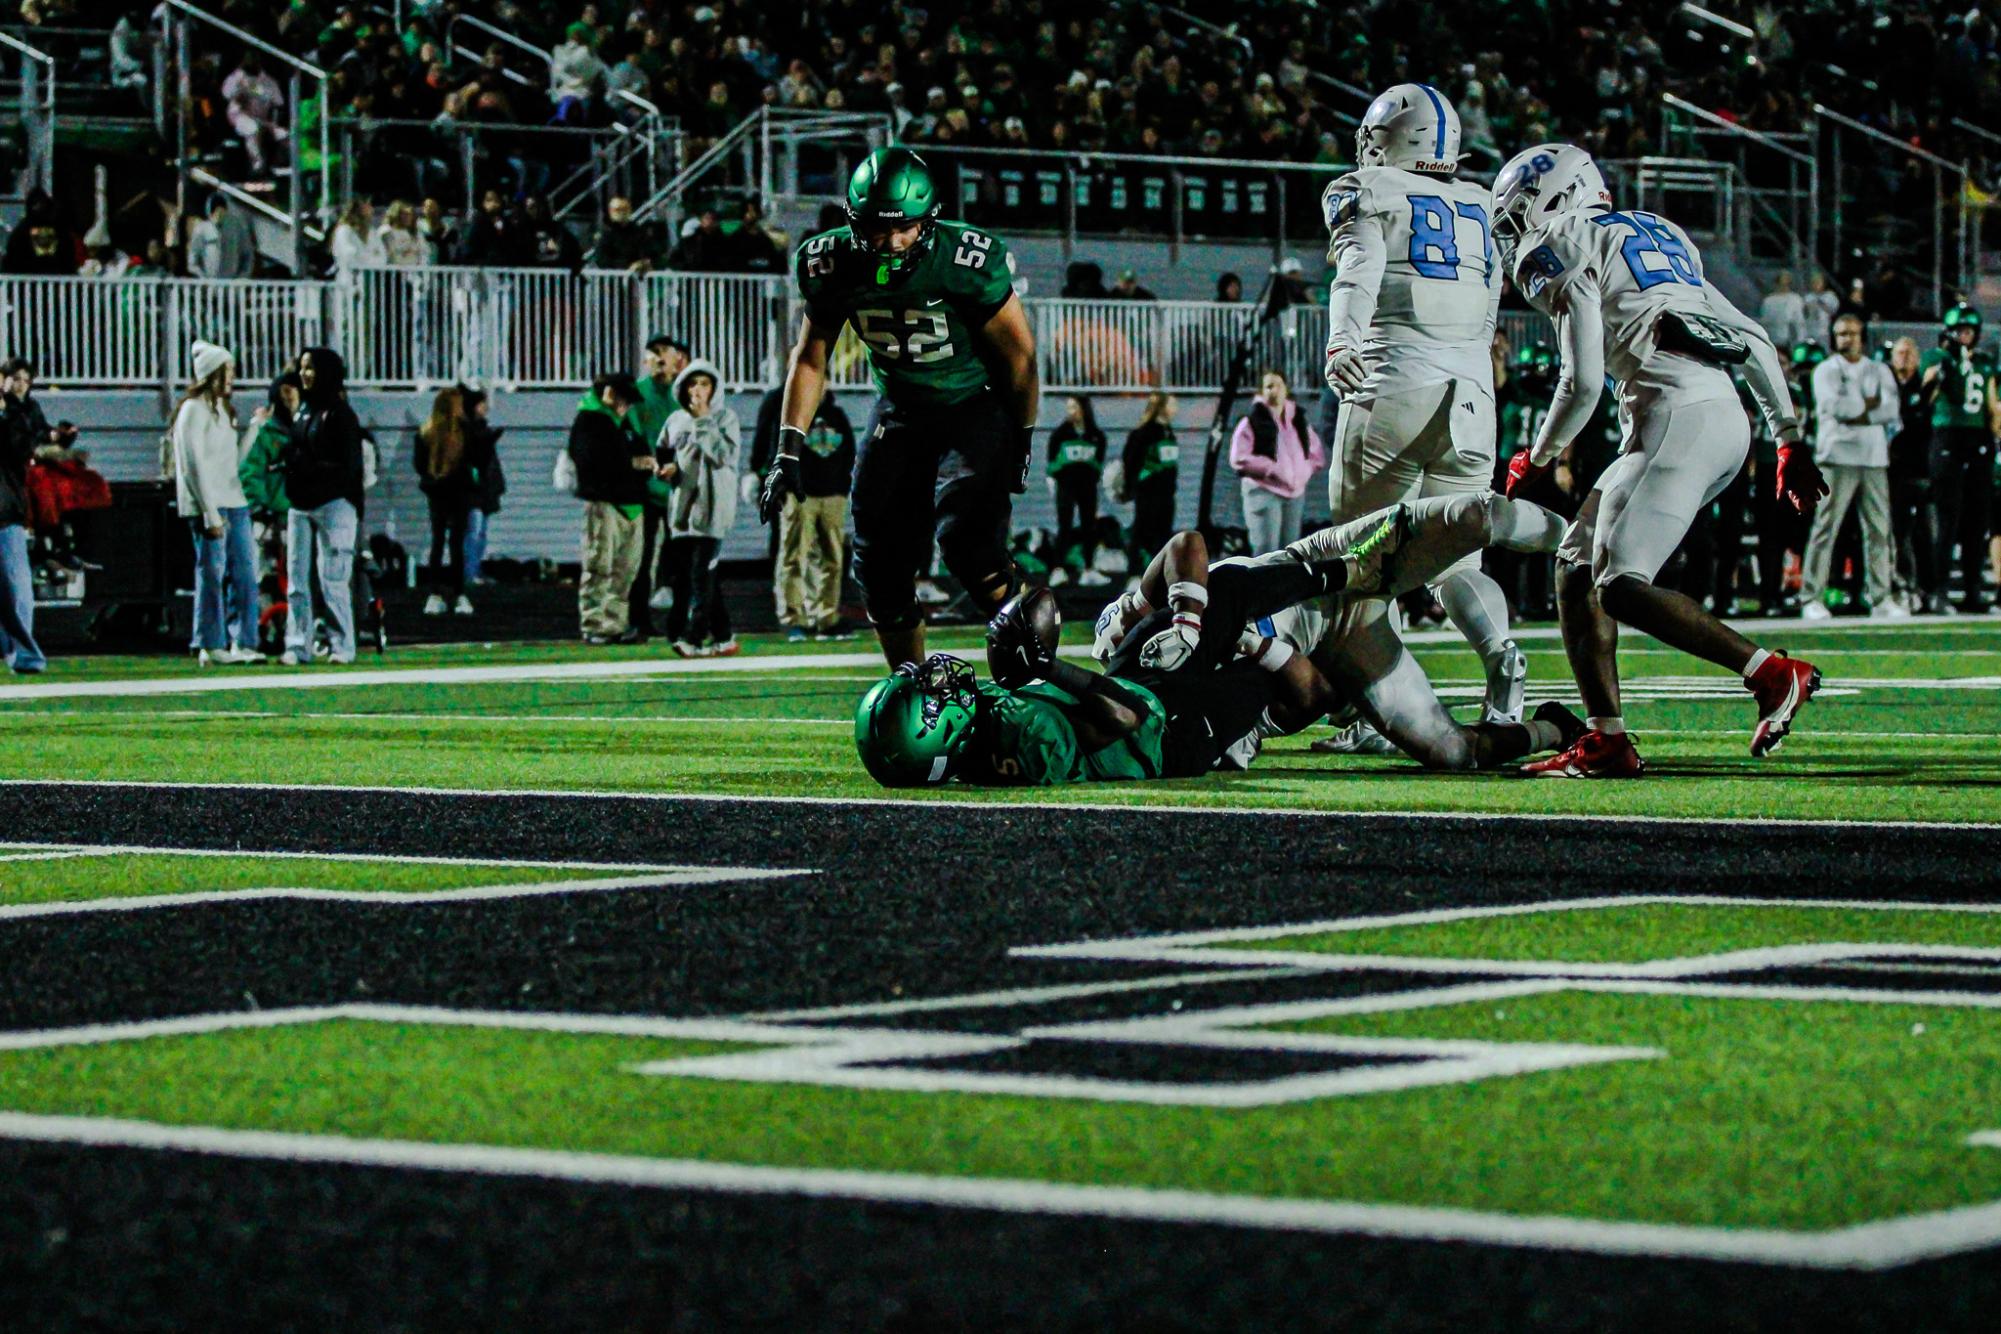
1434	164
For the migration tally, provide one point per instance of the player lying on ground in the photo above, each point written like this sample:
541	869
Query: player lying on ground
1043	721
1340	645
1627	293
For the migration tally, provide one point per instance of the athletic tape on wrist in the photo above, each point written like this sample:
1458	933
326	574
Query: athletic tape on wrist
1186	591
1277	653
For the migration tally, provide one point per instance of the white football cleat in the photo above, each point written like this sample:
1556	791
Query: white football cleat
1357	738
1507	683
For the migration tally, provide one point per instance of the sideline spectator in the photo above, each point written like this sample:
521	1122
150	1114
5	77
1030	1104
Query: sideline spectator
262	470
1149	470
654	589
18	440
1913	517
494	238
548	243
1127	288
1964	383
401	246
1229	289
489	482
705	249
446	474
1275	452
437	230
613	468
1853	401
756	248
623	243
704	440
812	528
324	474
208	493
355	245
255	104
575	72
1783	313
1076	463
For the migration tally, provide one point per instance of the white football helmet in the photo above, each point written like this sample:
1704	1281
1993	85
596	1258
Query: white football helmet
1412	126
1542	183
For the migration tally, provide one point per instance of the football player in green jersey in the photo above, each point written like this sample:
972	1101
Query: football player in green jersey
1965	388
953	359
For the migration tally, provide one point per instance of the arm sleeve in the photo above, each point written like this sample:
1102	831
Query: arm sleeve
1130	460
1763	375
1358	254
985	284
1890	402
1580	341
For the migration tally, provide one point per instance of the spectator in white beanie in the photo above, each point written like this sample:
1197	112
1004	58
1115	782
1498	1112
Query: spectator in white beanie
209	495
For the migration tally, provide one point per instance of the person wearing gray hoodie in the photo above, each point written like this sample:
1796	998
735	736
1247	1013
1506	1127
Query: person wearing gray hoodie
704	443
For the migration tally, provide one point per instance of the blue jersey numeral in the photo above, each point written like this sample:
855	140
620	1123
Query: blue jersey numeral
1434	243
1653	252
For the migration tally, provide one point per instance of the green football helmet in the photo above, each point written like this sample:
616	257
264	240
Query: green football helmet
1807	355
1961	316
912	726
892	188
1535	360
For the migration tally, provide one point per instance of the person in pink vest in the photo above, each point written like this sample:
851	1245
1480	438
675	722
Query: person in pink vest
1275	452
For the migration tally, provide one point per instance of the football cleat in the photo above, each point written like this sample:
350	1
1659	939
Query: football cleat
1507	682
1782	686
1372	560
1357	738
1593	755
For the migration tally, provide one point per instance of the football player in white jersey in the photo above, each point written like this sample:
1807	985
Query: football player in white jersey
1316	612
1410	322
1627	293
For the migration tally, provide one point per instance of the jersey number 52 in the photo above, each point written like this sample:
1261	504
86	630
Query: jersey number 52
917	336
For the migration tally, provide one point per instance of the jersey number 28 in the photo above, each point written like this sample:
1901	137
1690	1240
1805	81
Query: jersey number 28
1653	252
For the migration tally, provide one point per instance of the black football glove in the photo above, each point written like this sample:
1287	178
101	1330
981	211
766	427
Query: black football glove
780	480
1016	654
1025	449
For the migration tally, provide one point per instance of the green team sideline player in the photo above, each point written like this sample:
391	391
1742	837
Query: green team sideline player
954	364
1965	388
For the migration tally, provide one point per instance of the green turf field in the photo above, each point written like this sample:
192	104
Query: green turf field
1905	729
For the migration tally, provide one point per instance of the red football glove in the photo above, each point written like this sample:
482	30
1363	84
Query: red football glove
1800	482
1521	472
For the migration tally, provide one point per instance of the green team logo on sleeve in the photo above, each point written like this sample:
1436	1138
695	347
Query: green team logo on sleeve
1962	391
919	326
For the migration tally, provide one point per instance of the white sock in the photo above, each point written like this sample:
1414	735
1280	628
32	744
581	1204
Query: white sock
1758	659
1522	526
1543	736
1275	655
1474	603
1614	726
1266	728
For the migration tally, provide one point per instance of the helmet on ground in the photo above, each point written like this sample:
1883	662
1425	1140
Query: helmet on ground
1412	126
1961	316
1543	183
892	188
911	727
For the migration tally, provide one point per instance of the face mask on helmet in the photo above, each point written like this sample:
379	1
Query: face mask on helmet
911	727
890	193
1961	320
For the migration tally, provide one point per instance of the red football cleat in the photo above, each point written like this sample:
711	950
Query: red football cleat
1595	755
1781	686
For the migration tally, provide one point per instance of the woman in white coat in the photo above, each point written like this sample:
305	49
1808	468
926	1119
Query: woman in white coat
209	495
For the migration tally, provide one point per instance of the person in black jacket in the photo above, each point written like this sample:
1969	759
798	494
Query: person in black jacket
813	526
1076	461
1150	469
613	468
323	480
447	475
18	439
489	479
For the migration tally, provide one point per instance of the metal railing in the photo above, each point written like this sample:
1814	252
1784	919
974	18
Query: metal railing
37	102
176	15
479	25
1779	179
1952	261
